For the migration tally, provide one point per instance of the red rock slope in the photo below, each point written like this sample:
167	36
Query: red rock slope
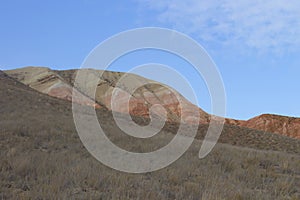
288	126
59	84
46	81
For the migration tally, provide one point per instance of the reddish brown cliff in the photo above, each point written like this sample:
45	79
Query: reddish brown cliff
138	102
288	126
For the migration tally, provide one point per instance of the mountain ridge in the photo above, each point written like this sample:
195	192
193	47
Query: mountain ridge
42	157
58	83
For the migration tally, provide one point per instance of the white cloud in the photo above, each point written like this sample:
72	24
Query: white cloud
263	25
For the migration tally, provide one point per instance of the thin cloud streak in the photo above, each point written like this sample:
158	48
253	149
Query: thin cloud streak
261	25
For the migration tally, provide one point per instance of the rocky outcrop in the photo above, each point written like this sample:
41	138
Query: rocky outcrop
115	92
135	102
46	81
288	126
138	101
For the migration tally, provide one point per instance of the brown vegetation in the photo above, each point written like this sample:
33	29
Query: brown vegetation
42	157
59	84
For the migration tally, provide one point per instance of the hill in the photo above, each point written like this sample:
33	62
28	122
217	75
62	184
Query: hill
60	83
289	126
42	158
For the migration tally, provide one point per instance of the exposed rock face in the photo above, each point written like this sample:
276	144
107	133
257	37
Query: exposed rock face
234	122
129	98
126	100
288	126
46	81
138	101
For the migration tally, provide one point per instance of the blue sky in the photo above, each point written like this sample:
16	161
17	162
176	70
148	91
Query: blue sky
255	44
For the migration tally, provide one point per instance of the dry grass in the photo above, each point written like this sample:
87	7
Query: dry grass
43	158
59	167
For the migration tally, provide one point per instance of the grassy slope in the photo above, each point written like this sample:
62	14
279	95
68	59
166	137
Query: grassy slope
43	158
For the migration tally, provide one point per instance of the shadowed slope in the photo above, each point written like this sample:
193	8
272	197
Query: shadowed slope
59	84
44	80
23	108
43	158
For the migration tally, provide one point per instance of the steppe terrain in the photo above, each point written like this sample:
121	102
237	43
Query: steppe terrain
60	83
42	156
